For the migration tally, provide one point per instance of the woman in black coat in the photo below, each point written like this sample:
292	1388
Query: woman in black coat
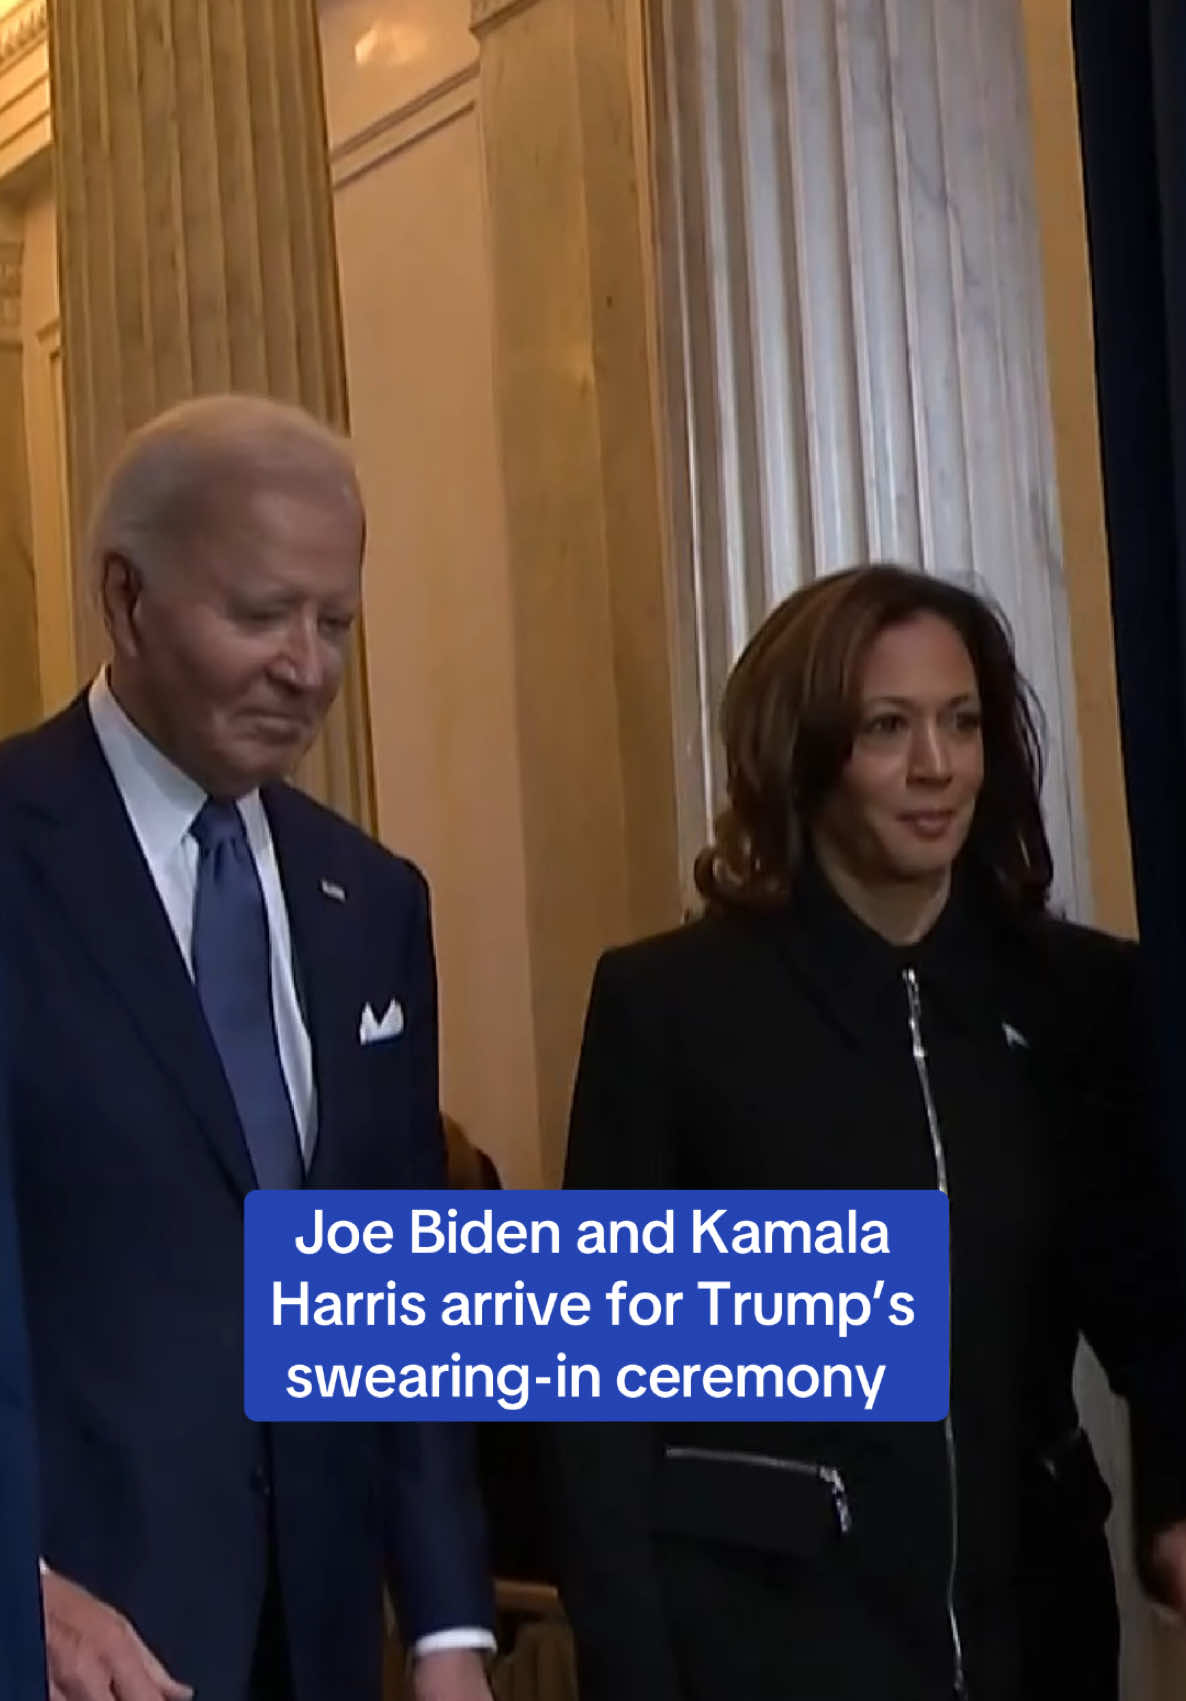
876	997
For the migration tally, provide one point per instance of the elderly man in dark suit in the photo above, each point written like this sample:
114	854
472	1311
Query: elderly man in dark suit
229	987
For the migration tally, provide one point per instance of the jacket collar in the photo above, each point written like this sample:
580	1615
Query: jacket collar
857	977
84	852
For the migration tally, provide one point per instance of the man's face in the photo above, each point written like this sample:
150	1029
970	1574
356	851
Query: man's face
230	656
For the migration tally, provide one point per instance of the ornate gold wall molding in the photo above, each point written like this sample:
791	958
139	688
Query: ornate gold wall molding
487	13
23	28
11	254
404	126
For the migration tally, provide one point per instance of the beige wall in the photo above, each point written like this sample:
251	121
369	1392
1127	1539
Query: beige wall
576	413
413	253
1076	428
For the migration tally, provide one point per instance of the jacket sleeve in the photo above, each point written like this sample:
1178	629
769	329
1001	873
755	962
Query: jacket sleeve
435	1529
1126	1217
619	1137
22	1665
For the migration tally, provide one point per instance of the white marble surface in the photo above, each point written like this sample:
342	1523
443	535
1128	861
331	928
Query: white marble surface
863	363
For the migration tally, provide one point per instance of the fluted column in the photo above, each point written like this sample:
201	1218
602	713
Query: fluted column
197	250
854	309
20	685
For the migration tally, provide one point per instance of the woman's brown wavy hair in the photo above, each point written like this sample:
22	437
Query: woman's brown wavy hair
790	712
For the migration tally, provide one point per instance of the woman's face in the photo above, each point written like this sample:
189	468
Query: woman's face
903	805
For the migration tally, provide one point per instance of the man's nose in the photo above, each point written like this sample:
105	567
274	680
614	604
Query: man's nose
300	663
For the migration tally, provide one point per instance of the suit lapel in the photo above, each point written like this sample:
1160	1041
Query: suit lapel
325	941
84	850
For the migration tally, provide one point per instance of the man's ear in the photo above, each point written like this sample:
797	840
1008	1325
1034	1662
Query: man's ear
120	590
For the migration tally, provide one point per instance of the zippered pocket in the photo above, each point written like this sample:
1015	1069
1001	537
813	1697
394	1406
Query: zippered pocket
827	1474
796	1507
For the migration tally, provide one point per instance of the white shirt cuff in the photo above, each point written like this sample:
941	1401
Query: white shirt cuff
465	1636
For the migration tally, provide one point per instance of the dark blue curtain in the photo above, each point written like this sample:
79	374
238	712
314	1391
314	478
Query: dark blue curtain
1131	62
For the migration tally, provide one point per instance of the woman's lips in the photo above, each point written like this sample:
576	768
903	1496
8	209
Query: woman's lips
929	823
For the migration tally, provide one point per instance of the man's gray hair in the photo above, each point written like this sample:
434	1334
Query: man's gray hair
198	465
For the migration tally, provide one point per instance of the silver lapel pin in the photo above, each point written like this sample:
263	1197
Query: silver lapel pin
334	891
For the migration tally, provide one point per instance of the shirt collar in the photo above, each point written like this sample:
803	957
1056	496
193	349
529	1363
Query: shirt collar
160	798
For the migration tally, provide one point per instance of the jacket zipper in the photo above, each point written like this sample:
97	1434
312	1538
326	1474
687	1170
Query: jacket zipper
918	1047
827	1474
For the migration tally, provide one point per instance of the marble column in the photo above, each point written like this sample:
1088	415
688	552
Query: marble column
197	250
20	685
856	348
575	396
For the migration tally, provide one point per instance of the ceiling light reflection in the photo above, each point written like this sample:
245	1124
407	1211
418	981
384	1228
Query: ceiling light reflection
391	44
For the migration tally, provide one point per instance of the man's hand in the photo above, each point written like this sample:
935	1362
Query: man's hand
453	1674
93	1653
1167	1567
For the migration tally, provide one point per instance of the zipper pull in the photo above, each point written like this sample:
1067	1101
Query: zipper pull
914	1007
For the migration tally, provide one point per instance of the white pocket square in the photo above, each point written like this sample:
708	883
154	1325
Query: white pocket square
371	1030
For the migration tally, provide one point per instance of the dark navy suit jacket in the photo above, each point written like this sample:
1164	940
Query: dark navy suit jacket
22	1667
131	1170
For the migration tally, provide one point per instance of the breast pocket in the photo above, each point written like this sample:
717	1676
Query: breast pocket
382	1022
382	1051
383	1062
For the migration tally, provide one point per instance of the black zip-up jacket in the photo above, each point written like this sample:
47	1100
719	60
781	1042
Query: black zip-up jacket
823	1562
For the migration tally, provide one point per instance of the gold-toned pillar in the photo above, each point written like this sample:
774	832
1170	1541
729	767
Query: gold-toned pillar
197	250
1070	349
20	685
576	409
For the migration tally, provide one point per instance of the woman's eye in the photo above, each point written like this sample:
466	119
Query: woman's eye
886	725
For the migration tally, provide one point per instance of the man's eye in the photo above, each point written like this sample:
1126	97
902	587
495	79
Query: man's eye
336	626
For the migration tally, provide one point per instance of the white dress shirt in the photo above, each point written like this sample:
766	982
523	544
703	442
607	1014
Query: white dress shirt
162	804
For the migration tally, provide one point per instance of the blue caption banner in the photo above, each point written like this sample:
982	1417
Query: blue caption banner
596	1306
